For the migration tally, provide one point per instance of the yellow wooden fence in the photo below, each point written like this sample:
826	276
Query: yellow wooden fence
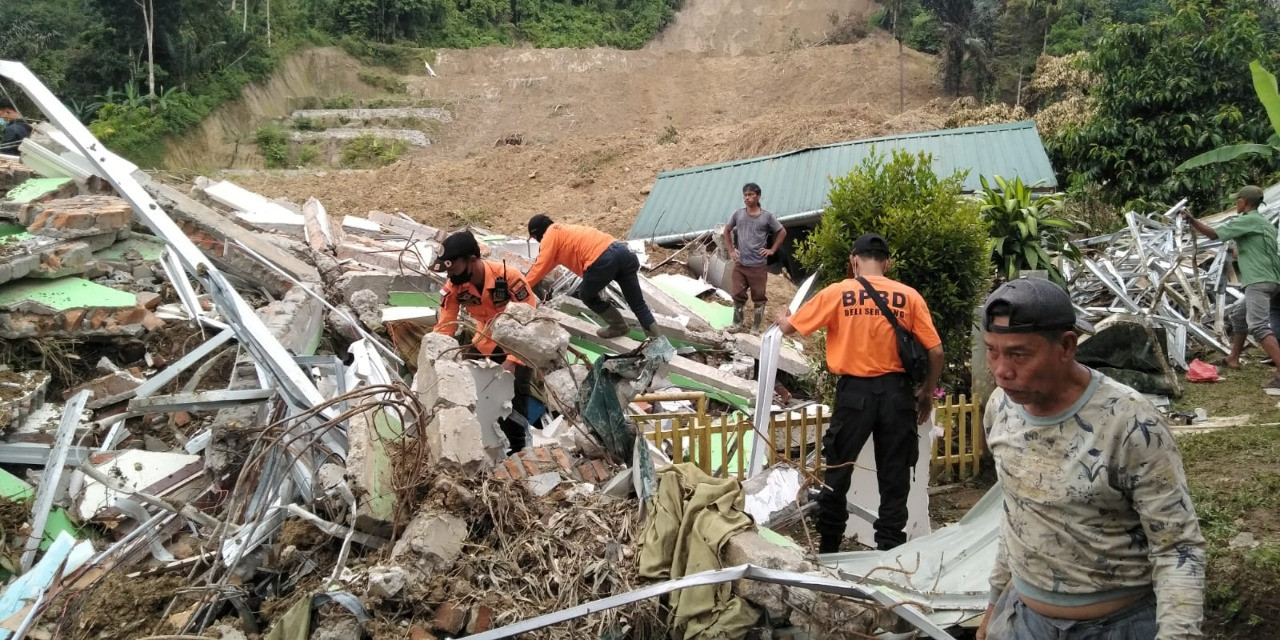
715	443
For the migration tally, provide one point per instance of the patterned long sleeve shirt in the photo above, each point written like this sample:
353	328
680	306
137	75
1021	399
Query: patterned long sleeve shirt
1096	506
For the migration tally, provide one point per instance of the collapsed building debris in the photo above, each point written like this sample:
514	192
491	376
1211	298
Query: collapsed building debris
265	424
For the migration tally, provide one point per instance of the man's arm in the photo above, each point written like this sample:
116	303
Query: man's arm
1000	574
447	323
1160	495
777	242
547	259
728	236
924	395
1200	227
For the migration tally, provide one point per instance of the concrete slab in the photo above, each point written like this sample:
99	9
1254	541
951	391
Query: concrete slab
64	294
136	247
37	188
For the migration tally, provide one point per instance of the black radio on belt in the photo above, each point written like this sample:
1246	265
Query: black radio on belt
500	294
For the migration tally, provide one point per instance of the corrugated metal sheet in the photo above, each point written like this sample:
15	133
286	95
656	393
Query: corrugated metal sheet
795	184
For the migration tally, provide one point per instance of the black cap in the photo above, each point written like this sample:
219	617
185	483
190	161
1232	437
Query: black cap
870	242
538	225
1031	304
458	245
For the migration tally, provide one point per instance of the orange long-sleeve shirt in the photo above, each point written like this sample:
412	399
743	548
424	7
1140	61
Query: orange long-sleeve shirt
571	245
480	305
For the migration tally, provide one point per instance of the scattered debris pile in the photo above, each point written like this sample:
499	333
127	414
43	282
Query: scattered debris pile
234	418
1165	292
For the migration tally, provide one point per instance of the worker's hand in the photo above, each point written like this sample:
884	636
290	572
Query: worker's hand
509	365
982	627
733	253
924	404
783	314
766	252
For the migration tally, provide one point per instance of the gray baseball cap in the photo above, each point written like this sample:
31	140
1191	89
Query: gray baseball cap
1031	304
1251	194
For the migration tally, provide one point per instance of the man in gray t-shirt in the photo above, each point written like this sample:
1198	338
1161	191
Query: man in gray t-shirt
747	235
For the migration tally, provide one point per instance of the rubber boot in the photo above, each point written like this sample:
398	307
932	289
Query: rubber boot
757	319
617	324
739	314
651	330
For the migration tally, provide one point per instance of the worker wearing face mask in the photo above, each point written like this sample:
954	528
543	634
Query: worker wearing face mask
483	288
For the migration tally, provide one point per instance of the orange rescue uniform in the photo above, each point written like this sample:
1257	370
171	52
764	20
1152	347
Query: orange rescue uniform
480	305
856	345
571	245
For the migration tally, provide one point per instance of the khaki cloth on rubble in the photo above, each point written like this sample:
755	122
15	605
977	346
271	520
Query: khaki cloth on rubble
690	518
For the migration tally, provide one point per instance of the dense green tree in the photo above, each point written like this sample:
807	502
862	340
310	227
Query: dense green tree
1167	91
938	239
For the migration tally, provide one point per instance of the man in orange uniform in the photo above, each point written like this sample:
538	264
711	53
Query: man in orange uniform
598	259
874	395
484	288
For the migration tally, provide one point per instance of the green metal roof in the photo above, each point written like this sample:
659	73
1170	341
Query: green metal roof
687	202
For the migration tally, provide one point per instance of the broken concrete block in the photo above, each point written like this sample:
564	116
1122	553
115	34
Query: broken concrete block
147	300
387	582
446	383
543	483
367	306
340	629
564	385
369	469
432	541
212	232
356	225
435	346
81	216
454	436
318	228
537	339
495	389
109	389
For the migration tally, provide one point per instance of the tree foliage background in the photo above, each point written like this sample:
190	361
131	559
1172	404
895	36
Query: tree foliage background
93	53
1168	91
938	239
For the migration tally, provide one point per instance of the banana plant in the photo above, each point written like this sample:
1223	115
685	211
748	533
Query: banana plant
1264	83
1023	230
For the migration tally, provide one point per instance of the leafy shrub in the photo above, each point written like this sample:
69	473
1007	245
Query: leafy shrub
303	123
368	152
340	101
1025	231
390	84
308	154
938	240
273	144
398	58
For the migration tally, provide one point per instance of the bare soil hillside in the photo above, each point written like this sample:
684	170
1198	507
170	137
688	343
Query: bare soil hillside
596	126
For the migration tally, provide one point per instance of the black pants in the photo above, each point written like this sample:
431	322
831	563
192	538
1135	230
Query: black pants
516	425
616	264
883	407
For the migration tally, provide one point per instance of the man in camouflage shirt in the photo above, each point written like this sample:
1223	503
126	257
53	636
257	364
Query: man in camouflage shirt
1099	540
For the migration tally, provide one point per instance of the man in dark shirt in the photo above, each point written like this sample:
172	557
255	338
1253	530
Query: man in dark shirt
15	130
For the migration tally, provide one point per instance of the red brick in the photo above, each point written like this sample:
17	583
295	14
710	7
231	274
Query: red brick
450	618
543	455
562	459
602	472
501	474
529	466
481	619
418	633
513	468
